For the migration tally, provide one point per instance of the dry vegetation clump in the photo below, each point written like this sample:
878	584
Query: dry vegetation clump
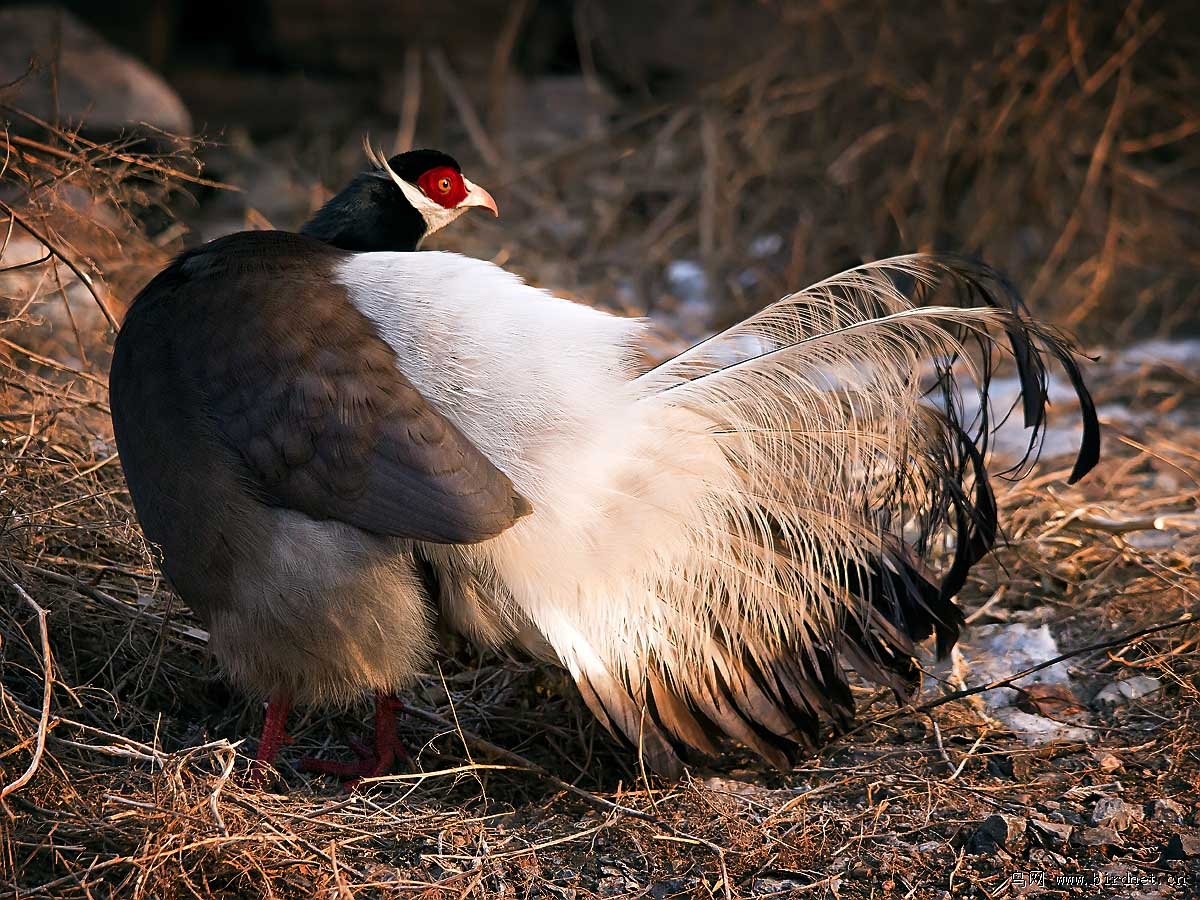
1059	141
121	771
136	787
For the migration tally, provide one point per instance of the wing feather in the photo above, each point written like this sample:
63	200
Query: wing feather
266	350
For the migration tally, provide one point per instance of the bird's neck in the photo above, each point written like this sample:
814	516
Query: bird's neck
367	216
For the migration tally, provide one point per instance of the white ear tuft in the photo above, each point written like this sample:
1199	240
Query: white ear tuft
375	157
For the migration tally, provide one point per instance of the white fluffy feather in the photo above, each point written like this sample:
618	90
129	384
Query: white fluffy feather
731	491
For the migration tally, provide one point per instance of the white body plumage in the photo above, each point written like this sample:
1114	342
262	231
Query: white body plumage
714	539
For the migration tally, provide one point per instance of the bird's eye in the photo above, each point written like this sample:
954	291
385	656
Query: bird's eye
442	185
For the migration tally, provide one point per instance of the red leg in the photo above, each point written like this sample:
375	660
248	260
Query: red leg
274	736
387	752
274	732
387	742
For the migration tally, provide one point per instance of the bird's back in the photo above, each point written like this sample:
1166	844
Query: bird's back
530	378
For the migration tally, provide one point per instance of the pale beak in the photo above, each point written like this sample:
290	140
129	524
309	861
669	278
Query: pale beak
477	196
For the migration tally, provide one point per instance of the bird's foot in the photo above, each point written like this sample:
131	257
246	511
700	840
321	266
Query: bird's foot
372	762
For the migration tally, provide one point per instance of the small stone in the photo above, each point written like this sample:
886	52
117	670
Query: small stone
1136	688
996	832
1108	762
731	786
1047	859
761	887
1164	810
673	887
1114	813
1049	834
1098	837
1185	845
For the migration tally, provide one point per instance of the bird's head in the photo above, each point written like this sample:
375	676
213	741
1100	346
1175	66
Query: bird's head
397	203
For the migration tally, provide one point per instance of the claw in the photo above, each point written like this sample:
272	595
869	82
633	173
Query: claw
373	761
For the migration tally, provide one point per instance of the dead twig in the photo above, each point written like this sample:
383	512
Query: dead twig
43	726
410	103
66	260
465	108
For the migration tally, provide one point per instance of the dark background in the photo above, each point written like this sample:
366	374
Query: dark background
767	144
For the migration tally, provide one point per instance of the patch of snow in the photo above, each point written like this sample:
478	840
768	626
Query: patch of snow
1039	729
1151	541
1117	413
1120	692
1180	353
1010	439
1063	430
766	245
688	281
995	652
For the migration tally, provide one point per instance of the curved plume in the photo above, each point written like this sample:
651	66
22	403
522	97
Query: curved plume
831	494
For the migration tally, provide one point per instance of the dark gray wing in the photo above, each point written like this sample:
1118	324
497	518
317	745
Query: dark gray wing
298	383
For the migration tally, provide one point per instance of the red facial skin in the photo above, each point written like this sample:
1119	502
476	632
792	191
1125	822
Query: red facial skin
443	186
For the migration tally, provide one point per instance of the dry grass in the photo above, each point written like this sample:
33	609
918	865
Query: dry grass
120	771
1059	141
